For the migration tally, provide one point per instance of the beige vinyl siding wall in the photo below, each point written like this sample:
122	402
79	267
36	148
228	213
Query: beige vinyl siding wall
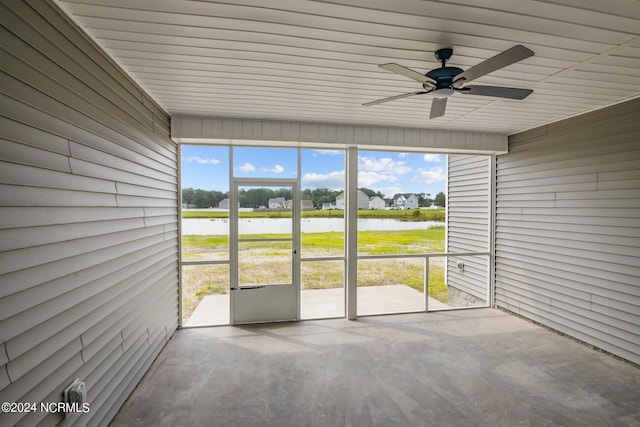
468	209
89	229
568	228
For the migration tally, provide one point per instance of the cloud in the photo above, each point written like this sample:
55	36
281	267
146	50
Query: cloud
383	164
200	160
277	169
333	180
432	158
403	155
247	167
429	176
329	152
367	179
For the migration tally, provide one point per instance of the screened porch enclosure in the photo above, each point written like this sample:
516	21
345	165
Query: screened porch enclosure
279	236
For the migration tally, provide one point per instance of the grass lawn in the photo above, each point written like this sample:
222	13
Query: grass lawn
201	280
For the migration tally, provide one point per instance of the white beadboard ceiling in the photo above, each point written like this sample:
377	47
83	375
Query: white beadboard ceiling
318	61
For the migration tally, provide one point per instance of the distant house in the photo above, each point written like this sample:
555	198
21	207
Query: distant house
363	201
224	204
277	203
377	202
305	205
405	201
329	206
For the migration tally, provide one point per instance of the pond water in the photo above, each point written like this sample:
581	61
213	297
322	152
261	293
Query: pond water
309	225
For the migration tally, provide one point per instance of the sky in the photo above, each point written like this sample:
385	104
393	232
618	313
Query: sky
207	167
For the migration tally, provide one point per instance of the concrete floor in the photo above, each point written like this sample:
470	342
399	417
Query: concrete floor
324	303
477	367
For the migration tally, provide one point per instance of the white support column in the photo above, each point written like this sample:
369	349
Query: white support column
296	215
233	239
492	231
351	235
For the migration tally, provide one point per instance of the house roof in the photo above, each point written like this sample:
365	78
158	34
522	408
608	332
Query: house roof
318	60
405	195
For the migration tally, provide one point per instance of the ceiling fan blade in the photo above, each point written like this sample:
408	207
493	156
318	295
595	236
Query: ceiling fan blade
437	107
407	72
497	91
501	60
393	98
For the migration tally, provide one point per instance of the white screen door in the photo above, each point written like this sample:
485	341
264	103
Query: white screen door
264	250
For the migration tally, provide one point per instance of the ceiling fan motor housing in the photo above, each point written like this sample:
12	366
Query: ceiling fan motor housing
444	78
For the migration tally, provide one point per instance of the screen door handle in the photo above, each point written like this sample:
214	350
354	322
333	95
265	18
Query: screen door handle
245	288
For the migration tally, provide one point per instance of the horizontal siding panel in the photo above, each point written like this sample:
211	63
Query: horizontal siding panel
138	190
78	142
62	283
11	130
80	45
18	238
515	215
24	258
27	155
132	201
100	361
3	353
95	170
127	382
553	180
622	203
91	133
552	134
157	220
576	233
546	284
11	173
72	118
46	348
4	377
108	385
627	331
572	262
508	193
568	282
589	267
60	49
90	89
34	196
147	169
105	328
28	70
610	212
596	250
562	160
65	358
618	310
18	217
468	222
561	324
95	348
32	319
59	270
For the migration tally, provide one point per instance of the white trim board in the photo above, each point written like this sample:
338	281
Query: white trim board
211	130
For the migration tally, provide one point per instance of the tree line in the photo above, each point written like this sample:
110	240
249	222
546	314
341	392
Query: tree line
256	197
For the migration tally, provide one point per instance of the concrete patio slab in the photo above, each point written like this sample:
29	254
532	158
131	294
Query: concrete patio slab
326	303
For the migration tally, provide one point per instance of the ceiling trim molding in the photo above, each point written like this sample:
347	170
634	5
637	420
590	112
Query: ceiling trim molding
227	131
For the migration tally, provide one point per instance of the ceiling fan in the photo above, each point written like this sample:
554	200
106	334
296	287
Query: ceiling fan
445	81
